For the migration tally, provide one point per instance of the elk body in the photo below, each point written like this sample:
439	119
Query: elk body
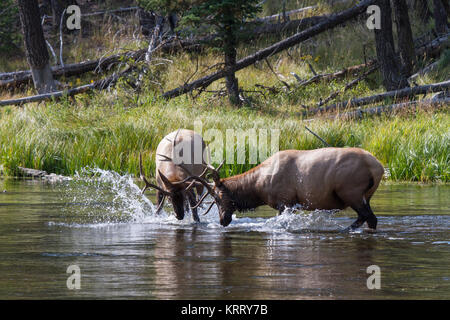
174	162
328	178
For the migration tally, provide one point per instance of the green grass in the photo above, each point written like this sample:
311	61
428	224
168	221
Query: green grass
108	129
64	137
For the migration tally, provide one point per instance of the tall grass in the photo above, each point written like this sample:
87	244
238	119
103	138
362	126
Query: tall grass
108	129
63	137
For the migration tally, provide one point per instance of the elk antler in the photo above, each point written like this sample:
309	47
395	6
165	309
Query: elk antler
210	206
216	178
214	171
148	184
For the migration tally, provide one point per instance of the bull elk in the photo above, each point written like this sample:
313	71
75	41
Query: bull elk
328	178
170	174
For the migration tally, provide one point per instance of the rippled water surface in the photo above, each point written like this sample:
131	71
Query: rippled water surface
104	226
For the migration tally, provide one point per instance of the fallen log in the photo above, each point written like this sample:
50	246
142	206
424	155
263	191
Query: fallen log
434	47
99	85
104	12
387	109
48	96
349	85
396	94
287	13
360	113
423	72
293	12
338	74
17	78
291	25
99	65
331	22
34	173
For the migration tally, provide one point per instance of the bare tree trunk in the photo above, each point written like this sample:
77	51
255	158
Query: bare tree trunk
231	80
388	60
440	17
423	11
230	65
36	49
154	39
405	37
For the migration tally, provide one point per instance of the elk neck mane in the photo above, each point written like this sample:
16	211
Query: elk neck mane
243	191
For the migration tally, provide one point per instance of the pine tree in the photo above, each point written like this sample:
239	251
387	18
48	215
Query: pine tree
222	17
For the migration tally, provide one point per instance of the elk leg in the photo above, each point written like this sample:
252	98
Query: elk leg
355	198
159	198
192	202
372	219
365	213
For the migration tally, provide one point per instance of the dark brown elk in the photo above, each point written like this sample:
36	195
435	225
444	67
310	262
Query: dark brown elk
175	161
328	178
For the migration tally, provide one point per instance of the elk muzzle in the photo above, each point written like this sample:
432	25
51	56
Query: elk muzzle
225	218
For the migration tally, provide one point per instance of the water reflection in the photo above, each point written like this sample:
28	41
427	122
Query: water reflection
289	257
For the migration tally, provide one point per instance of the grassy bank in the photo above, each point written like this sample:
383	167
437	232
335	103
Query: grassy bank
108	129
109	133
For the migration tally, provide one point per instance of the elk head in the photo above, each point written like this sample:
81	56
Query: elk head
171	191
222	196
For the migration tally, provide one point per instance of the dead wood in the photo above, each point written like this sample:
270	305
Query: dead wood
395	94
99	85
394	108
287	13
349	85
331	22
14	79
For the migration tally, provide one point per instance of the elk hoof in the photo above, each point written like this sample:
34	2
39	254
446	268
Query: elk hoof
347	230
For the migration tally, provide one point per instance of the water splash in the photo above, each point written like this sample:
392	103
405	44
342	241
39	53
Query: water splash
102	196
293	220
99	197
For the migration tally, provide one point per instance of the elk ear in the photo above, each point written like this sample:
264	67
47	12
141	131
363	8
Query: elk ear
166	181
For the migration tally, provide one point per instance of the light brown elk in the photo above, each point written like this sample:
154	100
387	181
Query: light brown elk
178	155
328	178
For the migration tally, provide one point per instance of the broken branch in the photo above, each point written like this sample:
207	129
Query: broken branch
395	94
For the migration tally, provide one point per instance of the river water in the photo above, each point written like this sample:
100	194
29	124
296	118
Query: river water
123	250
